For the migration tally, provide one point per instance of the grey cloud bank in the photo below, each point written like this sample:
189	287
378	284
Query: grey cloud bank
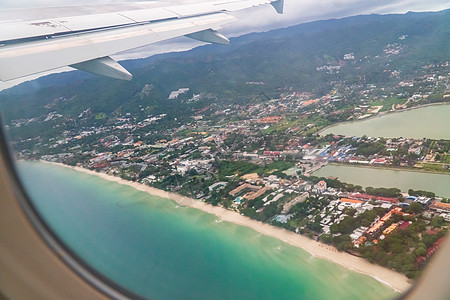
259	19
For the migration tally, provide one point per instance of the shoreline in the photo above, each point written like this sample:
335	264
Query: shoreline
381	114
396	281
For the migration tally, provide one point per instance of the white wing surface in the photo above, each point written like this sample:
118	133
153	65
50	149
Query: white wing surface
84	37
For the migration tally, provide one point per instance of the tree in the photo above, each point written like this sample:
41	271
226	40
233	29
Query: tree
421	193
315	226
420	251
437	222
429	239
325	238
349	211
343	243
250	212
416	208
269	211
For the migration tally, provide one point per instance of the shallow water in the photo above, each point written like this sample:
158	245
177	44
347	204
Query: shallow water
160	250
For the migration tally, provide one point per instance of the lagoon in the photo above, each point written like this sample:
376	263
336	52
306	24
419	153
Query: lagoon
377	177
425	122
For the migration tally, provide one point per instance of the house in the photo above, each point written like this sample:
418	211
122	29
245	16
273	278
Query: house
283	218
440	207
347	200
433	248
243	187
217	186
321	186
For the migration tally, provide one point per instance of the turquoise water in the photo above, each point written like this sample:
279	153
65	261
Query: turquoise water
160	250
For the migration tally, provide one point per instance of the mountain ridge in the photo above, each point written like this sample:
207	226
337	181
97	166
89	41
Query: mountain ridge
282	59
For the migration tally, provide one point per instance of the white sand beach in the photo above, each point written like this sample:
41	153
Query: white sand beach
391	278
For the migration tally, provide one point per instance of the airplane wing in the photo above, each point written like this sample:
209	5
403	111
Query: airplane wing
85	37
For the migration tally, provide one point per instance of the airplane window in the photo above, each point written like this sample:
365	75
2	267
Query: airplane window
310	153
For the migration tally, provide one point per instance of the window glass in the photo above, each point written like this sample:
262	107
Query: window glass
290	164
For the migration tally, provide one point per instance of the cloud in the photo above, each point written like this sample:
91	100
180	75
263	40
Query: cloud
259	19
297	12
265	18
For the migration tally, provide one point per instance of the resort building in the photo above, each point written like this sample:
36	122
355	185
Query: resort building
440	207
390	229
259	192
217	186
321	186
243	187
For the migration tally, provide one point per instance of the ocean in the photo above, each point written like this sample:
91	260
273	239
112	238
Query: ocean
161	250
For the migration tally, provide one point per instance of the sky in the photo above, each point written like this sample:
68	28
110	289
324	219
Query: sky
255	20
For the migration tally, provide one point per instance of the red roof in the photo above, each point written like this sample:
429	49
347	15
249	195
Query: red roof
404	225
379	160
363	196
441	205
392	200
420	260
350	200
435	246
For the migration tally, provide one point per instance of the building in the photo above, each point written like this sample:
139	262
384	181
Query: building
269	120
283	218
390	229
375	228
217	186
321	186
298	199
259	192
386	200
423	200
387	216
433	248
348	200
243	187
440	207
378	225
175	94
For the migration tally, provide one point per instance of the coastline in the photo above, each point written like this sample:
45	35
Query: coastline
396	281
381	114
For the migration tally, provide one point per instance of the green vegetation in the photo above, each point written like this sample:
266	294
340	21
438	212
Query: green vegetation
421	193
435	167
100	116
228	168
400	249
384	192
388	103
368	149
350	223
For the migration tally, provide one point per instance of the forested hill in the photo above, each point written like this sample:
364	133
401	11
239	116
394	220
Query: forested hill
298	58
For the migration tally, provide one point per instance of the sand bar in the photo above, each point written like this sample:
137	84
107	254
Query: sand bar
395	280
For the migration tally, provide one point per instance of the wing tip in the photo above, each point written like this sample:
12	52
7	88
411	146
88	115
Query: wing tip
279	6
